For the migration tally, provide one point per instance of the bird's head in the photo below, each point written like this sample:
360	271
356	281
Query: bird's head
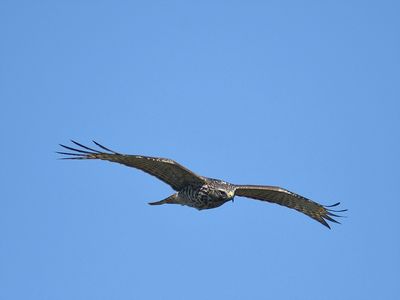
224	194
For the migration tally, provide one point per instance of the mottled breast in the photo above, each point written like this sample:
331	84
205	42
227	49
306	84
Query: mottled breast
199	197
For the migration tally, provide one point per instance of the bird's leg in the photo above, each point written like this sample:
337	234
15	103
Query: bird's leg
170	200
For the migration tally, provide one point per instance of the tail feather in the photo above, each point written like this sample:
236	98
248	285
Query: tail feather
170	200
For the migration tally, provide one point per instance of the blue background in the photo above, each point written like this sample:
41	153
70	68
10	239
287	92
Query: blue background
299	94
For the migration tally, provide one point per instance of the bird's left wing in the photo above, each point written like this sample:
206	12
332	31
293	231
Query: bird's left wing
167	170
289	199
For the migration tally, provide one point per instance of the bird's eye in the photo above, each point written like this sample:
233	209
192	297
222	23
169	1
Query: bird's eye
222	193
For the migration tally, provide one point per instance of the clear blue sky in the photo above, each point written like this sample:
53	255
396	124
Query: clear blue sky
299	94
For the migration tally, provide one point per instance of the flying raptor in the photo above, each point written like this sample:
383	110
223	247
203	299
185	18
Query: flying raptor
201	192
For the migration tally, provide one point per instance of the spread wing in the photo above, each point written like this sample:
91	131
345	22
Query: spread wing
167	170
289	199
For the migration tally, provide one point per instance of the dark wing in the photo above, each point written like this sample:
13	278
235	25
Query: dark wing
286	198
167	170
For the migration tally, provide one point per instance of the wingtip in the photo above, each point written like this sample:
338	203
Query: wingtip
333	205
333	210
335	215
331	219
104	148
323	222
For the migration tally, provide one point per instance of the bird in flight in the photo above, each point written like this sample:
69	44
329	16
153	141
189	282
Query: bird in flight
202	192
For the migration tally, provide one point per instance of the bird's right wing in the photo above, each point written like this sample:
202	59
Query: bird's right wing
274	194
167	170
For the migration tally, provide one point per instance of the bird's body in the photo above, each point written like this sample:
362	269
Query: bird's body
201	192
212	194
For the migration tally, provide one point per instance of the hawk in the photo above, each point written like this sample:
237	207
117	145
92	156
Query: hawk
202	192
